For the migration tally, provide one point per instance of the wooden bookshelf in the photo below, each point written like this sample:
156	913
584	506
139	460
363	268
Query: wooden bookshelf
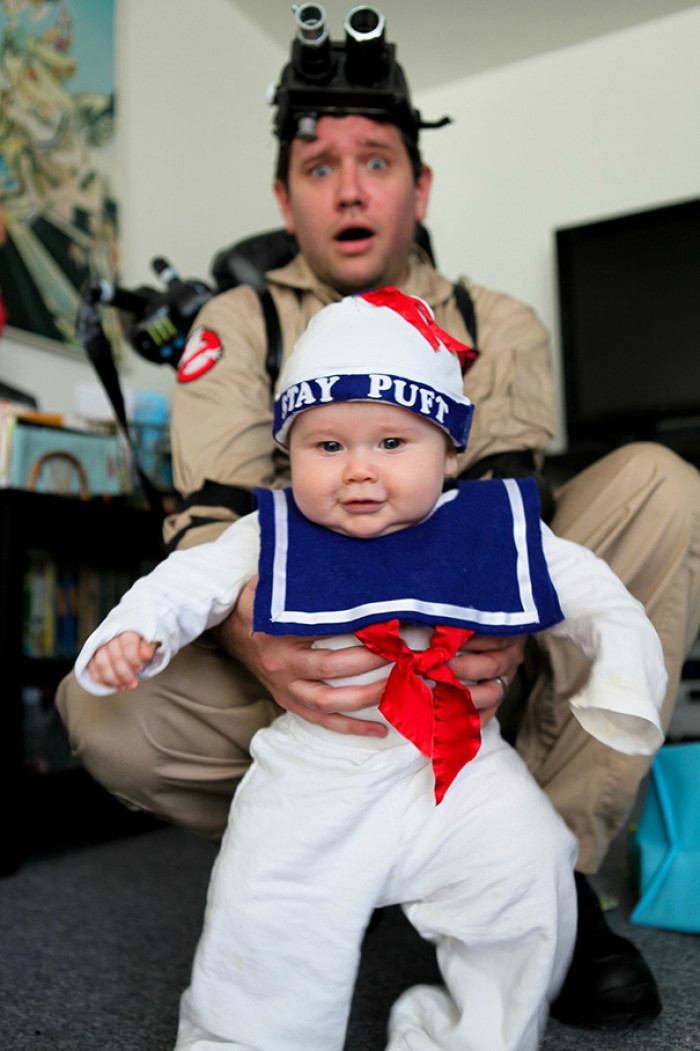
49	798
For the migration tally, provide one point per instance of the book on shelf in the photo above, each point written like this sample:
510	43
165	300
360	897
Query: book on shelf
64	603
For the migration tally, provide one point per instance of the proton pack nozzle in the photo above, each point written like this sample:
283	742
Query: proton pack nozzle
331	78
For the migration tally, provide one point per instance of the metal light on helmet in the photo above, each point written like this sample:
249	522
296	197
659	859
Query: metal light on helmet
335	78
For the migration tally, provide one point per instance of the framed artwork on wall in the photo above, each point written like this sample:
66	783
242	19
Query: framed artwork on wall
58	216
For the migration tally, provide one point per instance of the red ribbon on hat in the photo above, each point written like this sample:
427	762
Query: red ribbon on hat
419	315
441	722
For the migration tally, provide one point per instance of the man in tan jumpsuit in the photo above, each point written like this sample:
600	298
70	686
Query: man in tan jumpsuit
178	744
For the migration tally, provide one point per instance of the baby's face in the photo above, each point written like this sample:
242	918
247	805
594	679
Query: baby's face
366	470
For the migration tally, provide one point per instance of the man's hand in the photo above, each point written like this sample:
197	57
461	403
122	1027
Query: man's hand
297	675
489	665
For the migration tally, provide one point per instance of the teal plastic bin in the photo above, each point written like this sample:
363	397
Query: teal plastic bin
667	842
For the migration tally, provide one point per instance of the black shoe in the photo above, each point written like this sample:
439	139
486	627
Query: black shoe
609	982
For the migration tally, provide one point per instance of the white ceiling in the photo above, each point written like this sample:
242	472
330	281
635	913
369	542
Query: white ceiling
445	40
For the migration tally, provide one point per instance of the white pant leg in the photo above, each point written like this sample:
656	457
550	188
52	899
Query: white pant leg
300	869
489	878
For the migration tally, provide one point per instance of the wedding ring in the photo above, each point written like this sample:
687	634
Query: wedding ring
503	684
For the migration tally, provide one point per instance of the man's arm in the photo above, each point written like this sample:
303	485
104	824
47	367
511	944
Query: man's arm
221	430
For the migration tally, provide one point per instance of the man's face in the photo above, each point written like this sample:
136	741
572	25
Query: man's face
353	203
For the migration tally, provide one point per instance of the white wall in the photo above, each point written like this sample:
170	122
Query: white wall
195	156
606	127
198	149
598	129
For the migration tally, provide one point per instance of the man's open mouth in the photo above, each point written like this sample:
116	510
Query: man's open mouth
354	233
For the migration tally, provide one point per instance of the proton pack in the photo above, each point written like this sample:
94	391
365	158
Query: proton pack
156	322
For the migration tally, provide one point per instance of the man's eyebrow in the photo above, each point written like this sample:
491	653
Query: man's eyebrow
377	144
313	158
329	149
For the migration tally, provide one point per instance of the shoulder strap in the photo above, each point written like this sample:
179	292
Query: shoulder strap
245	263
465	305
273	335
97	347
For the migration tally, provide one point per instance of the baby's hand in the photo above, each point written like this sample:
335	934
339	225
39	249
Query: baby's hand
118	662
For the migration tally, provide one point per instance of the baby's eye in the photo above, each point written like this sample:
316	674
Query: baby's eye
331	447
391	443
377	164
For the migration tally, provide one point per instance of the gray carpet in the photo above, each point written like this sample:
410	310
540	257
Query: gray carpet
97	943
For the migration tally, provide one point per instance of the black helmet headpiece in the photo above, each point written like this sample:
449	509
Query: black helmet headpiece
329	78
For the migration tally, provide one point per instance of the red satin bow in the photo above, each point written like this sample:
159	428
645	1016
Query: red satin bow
442	723
419	315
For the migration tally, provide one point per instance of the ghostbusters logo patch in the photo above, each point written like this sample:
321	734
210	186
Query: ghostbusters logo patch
202	351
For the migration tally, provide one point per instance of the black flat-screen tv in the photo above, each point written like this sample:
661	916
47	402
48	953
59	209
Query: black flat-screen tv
629	306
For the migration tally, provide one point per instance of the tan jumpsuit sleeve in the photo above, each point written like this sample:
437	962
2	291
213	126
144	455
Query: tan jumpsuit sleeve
221	420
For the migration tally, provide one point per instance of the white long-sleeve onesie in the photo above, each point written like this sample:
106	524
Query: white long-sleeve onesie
195	589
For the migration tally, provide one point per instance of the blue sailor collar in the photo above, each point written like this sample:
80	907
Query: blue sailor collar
476	562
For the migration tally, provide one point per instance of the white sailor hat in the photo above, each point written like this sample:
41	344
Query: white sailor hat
384	347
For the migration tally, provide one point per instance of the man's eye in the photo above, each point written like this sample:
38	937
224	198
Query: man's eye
331	447
377	164
320	171
391	443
